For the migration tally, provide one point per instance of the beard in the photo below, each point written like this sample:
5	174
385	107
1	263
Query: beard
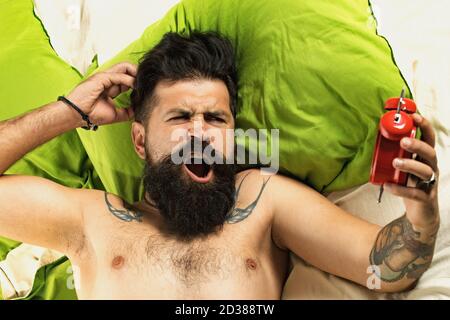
190	209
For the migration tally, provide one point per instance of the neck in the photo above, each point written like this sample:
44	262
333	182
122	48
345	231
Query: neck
147	205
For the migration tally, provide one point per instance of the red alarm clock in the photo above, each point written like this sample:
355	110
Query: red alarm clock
394	125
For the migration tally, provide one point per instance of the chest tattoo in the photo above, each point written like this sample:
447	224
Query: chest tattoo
238	214
126	215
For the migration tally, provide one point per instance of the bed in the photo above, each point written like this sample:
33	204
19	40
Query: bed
79	29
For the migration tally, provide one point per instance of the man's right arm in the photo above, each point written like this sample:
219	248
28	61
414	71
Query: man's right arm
36	210
32	209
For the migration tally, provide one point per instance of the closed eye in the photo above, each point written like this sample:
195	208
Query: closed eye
181	117
214	118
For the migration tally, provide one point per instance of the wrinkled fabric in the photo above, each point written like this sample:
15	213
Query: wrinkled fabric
33	75
315	70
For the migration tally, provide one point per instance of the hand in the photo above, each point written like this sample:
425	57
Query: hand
421	204
95	95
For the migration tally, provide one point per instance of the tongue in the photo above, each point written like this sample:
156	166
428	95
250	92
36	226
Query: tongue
200	170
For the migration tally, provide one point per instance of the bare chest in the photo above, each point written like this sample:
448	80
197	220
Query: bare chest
151	266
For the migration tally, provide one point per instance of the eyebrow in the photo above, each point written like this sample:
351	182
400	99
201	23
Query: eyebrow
218	113
178	110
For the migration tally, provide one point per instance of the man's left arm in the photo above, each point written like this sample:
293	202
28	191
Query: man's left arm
308	224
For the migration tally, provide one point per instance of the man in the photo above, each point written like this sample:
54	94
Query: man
202	231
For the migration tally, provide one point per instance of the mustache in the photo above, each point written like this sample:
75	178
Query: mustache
197	150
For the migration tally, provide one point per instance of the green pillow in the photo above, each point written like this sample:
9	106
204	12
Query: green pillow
33	75
316	70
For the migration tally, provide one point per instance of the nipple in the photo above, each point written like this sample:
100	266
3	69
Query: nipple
251	264
118	262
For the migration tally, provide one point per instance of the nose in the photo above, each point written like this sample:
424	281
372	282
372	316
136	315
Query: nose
198	127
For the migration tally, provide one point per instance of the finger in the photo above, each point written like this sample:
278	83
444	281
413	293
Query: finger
407	192
422	149
110	79
428	134
419	169
124	114
115	90
124	67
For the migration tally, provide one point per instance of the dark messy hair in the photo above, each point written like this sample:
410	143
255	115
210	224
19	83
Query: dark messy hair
179	57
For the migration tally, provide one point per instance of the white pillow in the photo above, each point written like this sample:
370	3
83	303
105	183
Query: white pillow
80	29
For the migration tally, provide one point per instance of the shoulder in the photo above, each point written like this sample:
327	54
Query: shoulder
99	205
107	204
277	189
251	181
274	183
101	198
255	175
103	212
250	195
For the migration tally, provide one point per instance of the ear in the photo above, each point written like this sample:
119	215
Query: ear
138	137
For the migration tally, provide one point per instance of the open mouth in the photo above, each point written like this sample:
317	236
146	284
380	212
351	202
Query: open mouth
198	170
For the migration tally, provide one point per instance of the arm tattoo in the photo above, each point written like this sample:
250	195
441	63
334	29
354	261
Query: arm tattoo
399	252
127	215
238	214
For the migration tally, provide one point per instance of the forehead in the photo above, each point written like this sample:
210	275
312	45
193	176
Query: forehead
196	95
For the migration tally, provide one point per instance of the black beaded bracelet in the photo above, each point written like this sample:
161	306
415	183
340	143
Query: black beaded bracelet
84	116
